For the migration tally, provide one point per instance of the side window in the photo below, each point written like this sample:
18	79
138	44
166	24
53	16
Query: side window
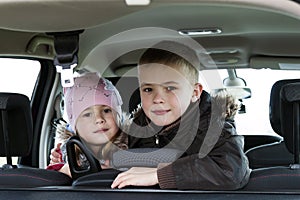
18	76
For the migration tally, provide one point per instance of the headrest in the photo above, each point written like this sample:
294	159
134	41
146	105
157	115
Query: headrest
16	120
274	111
290	103
128	88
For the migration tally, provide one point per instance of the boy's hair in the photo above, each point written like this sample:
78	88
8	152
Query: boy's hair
175	55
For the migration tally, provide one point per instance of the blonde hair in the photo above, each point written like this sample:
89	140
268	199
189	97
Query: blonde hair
184	59
119	141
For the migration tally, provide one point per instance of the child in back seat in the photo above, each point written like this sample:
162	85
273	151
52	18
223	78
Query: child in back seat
93	107
176	112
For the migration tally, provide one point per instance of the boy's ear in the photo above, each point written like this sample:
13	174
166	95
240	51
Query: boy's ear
197	92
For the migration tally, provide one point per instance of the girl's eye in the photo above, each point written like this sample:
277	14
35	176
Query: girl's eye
170	88
87	114
147	89
107	110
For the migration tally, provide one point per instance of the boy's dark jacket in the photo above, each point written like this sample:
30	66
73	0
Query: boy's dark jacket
219	163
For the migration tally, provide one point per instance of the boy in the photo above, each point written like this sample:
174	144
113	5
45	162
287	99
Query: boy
177	113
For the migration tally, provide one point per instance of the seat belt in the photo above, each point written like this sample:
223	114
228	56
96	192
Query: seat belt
66	59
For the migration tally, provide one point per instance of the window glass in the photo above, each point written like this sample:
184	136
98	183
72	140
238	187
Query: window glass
18	76
256	119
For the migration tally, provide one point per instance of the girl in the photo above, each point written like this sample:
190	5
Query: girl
93	108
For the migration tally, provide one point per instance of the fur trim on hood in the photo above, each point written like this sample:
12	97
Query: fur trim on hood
227	102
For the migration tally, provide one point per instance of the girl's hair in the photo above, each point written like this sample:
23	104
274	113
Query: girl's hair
119	141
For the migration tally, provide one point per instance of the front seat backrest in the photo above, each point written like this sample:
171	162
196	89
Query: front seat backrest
284	178
276	153
290	118
15	125
16	134
274	113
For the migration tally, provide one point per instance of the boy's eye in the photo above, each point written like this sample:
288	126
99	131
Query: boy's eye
170	88
147	89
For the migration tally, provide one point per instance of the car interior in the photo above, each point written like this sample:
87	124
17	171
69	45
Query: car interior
244	46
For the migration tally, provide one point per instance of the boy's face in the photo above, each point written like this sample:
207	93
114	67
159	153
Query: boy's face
165	93
96	125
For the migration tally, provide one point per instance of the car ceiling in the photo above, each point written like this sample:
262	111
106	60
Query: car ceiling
259	32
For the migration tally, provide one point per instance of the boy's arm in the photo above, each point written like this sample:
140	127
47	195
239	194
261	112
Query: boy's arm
224	168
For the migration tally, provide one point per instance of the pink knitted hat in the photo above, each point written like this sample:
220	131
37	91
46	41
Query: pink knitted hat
89	90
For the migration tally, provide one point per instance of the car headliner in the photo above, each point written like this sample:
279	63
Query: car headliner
260	32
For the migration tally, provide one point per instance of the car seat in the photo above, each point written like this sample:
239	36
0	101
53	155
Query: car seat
129	91
16	136
283	177
276	153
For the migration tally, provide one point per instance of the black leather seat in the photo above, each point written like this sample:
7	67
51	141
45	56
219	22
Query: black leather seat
284	178
16	134
273	154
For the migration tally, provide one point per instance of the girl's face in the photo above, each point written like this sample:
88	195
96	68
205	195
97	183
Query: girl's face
165	93
97	125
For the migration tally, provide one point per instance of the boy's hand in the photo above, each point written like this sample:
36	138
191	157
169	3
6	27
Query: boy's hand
55	156
137	176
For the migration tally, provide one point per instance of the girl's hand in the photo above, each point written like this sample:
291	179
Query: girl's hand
137	176
55	156
105	165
